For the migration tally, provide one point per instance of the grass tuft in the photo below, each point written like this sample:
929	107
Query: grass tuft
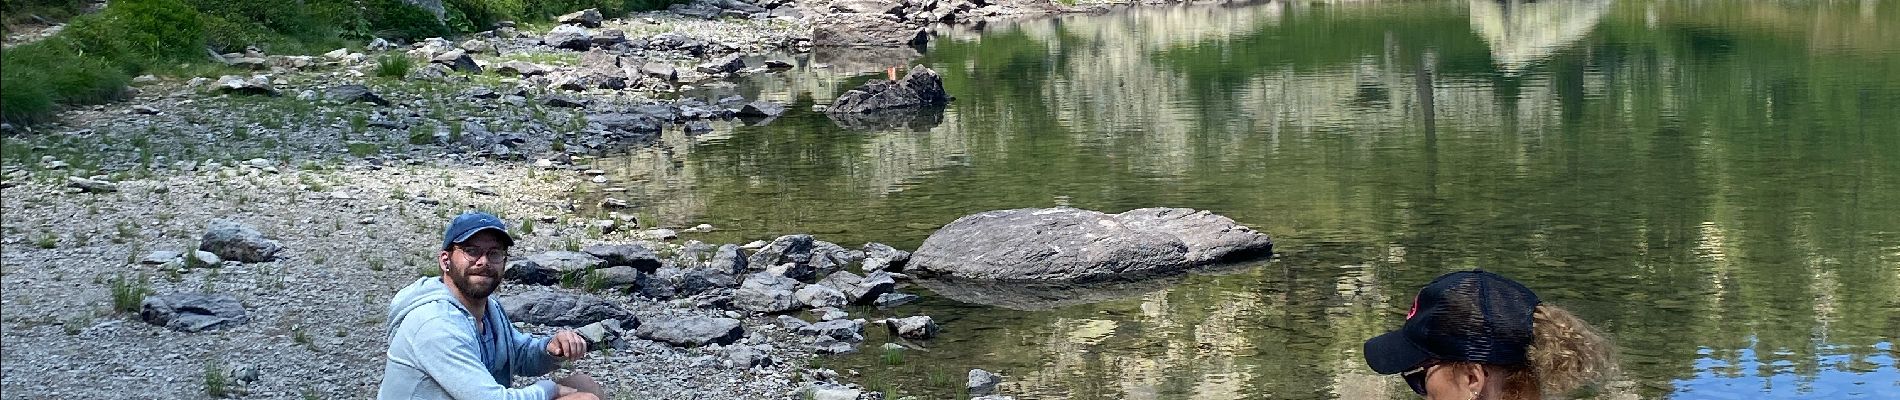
130	294
215	379
393	66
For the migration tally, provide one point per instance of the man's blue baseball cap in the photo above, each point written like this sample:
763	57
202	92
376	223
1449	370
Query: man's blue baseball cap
472	222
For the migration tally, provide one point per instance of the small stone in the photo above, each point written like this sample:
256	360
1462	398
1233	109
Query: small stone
661	234
820	296
160	257
982	383
590	18
917	327
892	300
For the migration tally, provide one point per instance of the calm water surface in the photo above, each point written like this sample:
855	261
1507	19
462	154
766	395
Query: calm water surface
1714	183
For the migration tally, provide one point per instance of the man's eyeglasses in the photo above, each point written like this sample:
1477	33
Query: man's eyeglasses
494	256
1416	377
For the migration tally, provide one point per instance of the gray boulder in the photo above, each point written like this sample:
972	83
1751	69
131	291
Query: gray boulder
458	60
829	345
820	296
730	63
476	46
918	327
598	69
1210	238
691	331
766	293
660	70
231	240
882	257
659	284
548	268
1067	244
618	277
747	357
920	87
607	38
572	37
354	94
700	280
789	249
561	309
589	18
844	330
828	257
255	85
625	122
728	259
203	259
522	68
193	312
792	323
983	383
860	290
628	254
761	109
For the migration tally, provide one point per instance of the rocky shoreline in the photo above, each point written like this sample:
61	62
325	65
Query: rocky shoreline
353	176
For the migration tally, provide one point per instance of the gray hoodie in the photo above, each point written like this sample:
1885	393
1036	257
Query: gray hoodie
435	352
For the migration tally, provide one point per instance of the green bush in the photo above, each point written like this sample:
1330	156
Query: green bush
135	33
398	20
93	59
394	65
23	11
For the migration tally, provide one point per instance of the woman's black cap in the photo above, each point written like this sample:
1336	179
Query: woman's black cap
1474	316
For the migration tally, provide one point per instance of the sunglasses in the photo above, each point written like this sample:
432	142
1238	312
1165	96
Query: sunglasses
1416	376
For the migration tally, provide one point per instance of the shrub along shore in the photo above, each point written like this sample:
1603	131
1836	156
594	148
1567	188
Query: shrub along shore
96	55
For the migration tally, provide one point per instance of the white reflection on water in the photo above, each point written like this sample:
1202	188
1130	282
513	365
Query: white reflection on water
1521	33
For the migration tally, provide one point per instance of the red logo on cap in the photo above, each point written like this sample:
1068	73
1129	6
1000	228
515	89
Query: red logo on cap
1414	311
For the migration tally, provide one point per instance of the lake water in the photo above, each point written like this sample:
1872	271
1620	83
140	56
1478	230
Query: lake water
1716	184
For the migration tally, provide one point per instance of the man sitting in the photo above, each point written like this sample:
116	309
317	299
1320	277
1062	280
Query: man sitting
448	339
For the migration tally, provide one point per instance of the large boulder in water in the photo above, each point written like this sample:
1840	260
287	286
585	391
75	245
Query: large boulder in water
1068	244
918	88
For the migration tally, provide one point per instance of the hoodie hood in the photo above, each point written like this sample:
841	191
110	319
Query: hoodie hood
424	291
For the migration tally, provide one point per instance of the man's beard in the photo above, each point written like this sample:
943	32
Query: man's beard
473	290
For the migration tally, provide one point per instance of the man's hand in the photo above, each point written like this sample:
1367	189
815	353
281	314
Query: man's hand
567	345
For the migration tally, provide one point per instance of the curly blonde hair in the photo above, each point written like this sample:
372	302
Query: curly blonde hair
1566	353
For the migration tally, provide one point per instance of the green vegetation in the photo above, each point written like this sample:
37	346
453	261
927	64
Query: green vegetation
93	59
215	379
394	66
